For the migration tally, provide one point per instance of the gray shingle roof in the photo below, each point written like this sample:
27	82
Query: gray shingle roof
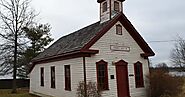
72	42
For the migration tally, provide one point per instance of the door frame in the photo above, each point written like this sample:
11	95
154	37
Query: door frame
122	63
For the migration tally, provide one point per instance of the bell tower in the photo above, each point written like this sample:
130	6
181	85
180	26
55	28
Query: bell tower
109	8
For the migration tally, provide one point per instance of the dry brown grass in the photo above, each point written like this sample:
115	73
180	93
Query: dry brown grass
20	93
164	85
182	94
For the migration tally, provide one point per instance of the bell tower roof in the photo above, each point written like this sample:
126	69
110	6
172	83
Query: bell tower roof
99	1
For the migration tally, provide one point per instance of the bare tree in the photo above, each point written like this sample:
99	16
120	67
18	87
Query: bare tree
178	53
162	66
14	15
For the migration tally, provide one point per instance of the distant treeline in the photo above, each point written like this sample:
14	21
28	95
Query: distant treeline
7	83
178	69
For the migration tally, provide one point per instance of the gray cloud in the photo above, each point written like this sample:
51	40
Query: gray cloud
154	19
158	20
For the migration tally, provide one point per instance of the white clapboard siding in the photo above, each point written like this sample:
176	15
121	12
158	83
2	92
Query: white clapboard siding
103	45
59	91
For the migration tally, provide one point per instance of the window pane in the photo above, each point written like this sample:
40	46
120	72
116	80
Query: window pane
116	6
104	6
119	29
53	77
138	75
102	75
67	77
42	76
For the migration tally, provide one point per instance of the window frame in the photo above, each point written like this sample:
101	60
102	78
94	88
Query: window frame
104	7
67	77
105	78
119	30
116	6
42	76
139	82
53	78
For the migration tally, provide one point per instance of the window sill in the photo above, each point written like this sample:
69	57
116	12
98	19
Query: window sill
105	90
67	89
140	87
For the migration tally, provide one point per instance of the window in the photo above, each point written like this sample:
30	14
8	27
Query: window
119	29
42	76
104	6
67	77
138	75
53	77
116	6
102	75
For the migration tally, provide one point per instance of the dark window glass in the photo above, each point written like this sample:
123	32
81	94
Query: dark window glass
102	75
67	77
41	76
138	75
53	77
116	6
104	6
118	29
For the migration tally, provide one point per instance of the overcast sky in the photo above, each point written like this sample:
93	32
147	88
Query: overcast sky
155	20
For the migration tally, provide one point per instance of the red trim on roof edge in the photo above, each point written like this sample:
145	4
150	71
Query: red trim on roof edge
102	32
69	55
136	36
130	28
144	55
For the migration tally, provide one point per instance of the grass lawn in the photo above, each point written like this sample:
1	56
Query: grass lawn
20	93
25	93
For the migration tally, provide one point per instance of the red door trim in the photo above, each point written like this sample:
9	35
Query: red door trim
122	63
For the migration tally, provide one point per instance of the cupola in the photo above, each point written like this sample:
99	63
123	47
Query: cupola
109	8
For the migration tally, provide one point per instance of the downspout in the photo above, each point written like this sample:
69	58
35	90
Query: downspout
85	80
110	9
149	76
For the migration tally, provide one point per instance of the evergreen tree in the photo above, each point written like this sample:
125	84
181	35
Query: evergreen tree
39	37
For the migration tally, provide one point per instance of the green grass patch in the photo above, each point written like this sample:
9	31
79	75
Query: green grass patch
20	93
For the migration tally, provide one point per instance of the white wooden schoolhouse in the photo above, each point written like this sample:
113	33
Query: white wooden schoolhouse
109	52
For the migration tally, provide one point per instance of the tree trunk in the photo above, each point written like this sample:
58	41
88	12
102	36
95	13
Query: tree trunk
14	87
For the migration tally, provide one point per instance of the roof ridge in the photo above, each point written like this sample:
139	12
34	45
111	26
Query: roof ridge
79	29
70	34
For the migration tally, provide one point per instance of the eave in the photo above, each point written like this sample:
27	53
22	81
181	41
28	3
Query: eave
146	55
64	56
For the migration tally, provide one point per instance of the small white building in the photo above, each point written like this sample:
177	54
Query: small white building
109	52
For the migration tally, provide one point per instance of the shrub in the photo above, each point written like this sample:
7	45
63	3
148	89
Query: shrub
164	85
92	90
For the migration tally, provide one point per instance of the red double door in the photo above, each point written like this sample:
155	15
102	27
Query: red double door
122	79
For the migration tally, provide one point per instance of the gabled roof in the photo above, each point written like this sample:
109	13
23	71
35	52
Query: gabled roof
131	30
73	42
80	41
